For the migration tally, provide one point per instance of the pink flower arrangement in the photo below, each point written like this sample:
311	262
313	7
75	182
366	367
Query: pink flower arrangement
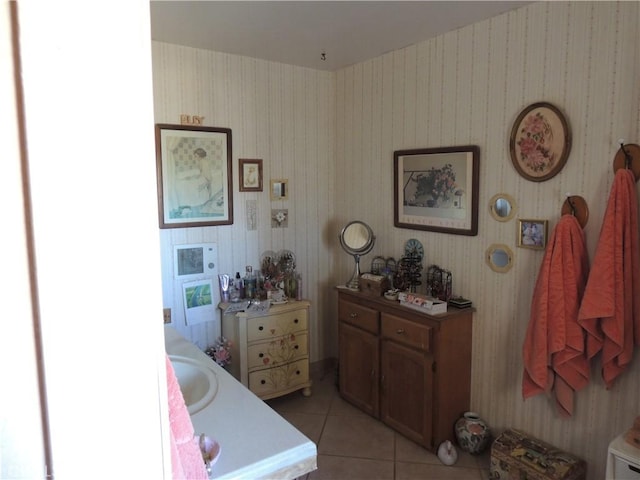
437	182
220	352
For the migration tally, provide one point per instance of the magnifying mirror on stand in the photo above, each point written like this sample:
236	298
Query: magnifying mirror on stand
357	239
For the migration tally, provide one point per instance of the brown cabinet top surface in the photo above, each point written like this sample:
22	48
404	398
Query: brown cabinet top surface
394	307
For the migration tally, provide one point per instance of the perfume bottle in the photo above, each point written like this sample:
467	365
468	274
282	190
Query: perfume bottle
239	284
250	283
299	288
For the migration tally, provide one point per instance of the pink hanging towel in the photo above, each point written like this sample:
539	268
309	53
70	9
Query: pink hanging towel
610	309
554	358
186	459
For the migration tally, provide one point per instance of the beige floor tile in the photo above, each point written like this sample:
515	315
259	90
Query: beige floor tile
322	395
466	459
352	445
339	406
357	436
421	471
308	423
409	451
344	468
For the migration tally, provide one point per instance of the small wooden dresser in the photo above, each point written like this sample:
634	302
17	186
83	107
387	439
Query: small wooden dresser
270	353
410	369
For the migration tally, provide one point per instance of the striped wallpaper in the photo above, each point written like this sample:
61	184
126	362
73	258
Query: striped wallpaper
332	135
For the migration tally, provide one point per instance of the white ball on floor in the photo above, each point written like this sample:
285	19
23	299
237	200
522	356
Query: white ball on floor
447	453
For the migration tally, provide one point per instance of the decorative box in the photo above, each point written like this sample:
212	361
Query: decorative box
517	456
422	303
373	285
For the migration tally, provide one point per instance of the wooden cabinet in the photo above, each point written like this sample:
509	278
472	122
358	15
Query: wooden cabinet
407	368
270	353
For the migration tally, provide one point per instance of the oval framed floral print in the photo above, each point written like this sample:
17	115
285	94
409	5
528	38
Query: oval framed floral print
540	142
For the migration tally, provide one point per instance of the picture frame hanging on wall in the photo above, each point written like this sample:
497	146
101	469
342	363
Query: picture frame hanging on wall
250	173
540	142
436	189
194	175
532	233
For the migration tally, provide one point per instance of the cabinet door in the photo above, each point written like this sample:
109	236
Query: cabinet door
359	360
407	391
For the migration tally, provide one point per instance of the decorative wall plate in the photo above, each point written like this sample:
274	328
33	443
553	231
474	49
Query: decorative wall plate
540	142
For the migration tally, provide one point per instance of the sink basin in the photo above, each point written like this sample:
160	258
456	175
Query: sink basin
198	383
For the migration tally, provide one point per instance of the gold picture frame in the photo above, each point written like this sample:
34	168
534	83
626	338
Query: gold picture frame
279	189
532	233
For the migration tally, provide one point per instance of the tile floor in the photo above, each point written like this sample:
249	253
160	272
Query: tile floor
353	445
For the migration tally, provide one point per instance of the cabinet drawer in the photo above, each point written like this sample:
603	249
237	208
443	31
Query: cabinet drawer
406	332
262	382
270	326
625	470
363	317
277	351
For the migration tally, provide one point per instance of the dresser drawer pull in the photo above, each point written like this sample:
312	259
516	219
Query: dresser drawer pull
296	321
297	372
400	331
353	315
296	347
260	355
262	382
634	469
260	328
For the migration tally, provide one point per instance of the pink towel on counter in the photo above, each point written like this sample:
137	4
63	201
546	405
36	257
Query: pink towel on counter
555	360
186	459
610	309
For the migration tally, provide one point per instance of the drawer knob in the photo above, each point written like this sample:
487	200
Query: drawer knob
296	347
260	355
260	328
297	372
263	382
295	321
353	315
400	331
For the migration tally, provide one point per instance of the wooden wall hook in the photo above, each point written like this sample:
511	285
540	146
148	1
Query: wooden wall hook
577	206
620	160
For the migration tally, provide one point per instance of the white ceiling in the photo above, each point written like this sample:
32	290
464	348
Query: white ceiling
298	32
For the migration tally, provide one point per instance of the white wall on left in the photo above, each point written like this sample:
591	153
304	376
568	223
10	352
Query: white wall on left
88	111
21	436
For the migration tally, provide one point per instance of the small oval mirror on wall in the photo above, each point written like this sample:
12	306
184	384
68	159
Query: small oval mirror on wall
503	207
499	257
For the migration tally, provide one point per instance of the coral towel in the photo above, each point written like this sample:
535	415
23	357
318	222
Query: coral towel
555	360
186	460
610	309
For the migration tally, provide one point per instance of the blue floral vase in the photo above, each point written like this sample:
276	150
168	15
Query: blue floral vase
472	433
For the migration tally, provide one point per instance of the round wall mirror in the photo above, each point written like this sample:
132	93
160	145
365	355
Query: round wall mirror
357	239
503	207
499	258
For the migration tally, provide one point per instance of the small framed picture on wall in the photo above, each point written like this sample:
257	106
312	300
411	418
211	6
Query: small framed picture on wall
250	175
532	233
279	189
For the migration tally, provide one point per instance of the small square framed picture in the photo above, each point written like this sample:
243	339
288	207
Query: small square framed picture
532	233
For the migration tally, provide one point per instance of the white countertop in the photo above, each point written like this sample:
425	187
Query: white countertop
255	441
